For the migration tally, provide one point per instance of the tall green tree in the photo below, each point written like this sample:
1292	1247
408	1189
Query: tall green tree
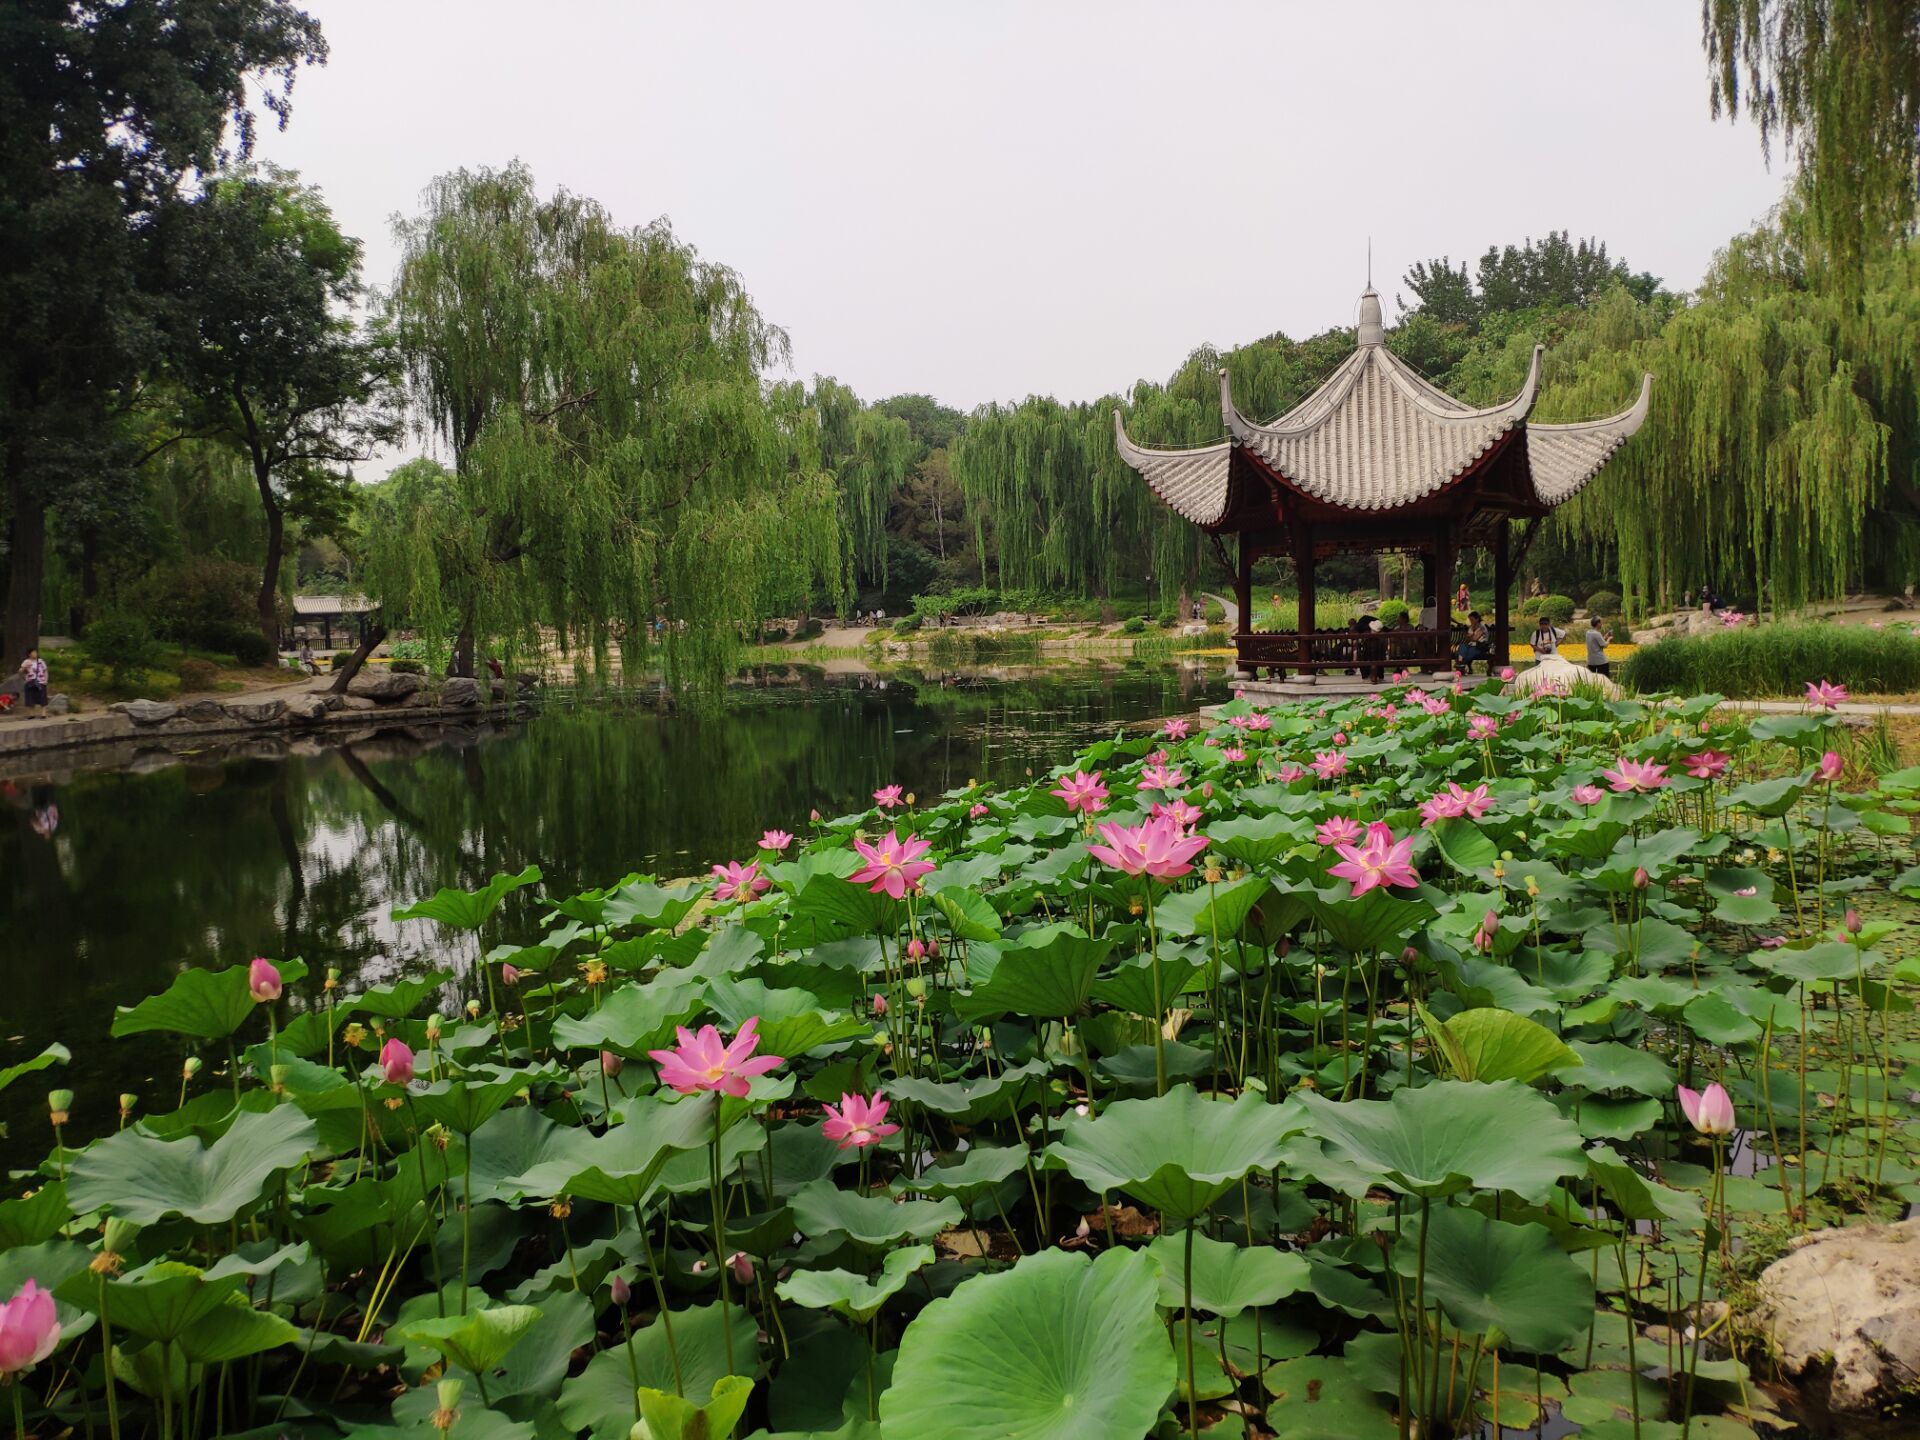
621	475
1837	84
265	355
104	109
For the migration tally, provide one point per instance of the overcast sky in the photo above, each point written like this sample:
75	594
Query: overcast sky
985	200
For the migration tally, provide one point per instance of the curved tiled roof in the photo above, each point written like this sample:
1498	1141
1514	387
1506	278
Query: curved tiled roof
1378	435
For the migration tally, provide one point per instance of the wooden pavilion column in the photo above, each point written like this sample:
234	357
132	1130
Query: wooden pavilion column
1443	588
1303	572
1427	561
1243	600
1502	584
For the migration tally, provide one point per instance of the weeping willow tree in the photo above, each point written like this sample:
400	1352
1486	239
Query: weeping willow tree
1070	514
1781	455
620	476
1837	82
870	455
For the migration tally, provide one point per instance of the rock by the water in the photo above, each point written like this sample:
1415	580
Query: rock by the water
387	688
59	705
257	712
204	712
147	712
460	690
1554	675
526	680
306	709
358	702
1852	1297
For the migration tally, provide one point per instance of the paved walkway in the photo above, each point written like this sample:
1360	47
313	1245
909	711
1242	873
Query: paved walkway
1799	707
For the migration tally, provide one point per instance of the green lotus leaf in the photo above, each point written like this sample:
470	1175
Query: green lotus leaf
1609	1117
1634	1195
1255	841
824	1209
635	1018
971	1100
1715	1021
1464	845
398	1000
968	915
1826	960
34	1218
54	1054
599	1400
828	906
143	1179
1499	1045
1227	1279
980	1167
1609	1065
1215	911
159	1301
479	1341
1057	1348
1129	985
1489	1275
1177	1153
792	1021
209	1004
1450	1136
232	1330
1046	972
649	906
1769	797
1323	1397
851	1295
464	1104
668	1417
622	1166
1370	923
469	909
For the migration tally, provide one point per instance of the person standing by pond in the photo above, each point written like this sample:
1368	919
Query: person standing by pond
33	675
1597	640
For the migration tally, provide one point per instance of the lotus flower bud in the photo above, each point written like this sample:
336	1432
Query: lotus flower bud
611	1064
879	1004
127	1102
740	1261
510	974
1408	955
916	950
59	1104
622	1291
263	981
396	1061
1640	878
1830	767
1851	921
814	816
1709	1111
190	1067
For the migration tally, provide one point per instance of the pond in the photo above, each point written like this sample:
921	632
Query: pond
220	857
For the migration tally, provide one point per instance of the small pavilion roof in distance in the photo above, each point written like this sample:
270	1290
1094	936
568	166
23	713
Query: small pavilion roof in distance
331	604
1375	437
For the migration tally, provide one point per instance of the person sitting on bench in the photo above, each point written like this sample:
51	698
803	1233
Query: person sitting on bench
1478	644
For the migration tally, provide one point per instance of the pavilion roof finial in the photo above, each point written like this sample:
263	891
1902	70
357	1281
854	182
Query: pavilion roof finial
1371	330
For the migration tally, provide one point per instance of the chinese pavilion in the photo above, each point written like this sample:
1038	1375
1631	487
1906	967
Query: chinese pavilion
1379	459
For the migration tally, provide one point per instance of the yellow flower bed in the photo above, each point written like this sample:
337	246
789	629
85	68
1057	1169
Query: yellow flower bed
1575	651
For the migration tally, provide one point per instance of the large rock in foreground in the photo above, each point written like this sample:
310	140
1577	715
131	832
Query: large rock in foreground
1552	675
1852	1297
387	689
146	712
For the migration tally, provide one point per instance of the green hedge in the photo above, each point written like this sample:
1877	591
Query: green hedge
1557	608
1604	602
1778	660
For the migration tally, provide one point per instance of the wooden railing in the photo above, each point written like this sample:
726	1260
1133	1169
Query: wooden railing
1375	653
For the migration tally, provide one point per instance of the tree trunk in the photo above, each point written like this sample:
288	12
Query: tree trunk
462	662
369	642
81	611
26	566
270	572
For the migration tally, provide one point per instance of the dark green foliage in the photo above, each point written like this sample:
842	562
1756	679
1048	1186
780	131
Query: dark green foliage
1133	625
407	667
250	648
200	601
1768	660
1603	602
1557	608
123	643
196	674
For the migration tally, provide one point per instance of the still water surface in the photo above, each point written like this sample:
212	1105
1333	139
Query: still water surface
222	857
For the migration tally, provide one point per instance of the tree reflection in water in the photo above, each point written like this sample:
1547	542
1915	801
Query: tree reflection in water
208	860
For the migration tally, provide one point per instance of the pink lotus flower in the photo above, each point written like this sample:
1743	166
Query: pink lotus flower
1174	729
1381	860
916	949
1506	674
1161	777
1233	754
887	796
1441	806
396	1061
29	1329
1237	722
893	865
1182	814
1831	767
738	882
858	1122
1434	705
1588	794
1484	934
510	974
1709	1111
1082	791
1731	618
1159	847
1825	695
1162	755
775	840
1708	764
1482	727
704	1062
1337	830
1260	720
977	812
611	1064
1772	942
879	1004
1635	776
1289	772
619	1289
1329	764
263	981
1339	737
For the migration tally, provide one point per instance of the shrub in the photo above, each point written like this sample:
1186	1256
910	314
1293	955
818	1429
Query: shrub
123	643
1391	611
408	667
338	660
810	629
1557	608
907	625
1603	602
774	635
1134	626
1766	660
201	602
248	647
196	674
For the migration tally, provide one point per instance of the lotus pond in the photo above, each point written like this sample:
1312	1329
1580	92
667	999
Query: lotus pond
1396	1067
